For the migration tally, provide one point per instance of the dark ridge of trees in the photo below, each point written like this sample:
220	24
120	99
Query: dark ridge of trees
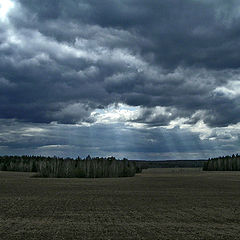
225	163
171	164
69	167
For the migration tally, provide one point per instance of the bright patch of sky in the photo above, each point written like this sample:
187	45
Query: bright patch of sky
125	115
116	114
231	90
5	7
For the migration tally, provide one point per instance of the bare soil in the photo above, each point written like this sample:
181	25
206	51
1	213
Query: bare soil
157	204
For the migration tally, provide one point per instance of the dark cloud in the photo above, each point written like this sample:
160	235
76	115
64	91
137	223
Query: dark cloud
177	32
177	59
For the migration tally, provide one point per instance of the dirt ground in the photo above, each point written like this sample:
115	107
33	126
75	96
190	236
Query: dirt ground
157	204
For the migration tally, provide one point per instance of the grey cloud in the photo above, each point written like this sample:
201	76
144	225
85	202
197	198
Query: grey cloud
70	140
74	113
156	117
177	32
63	59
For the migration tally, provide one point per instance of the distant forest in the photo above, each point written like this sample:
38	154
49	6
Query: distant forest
226	163
106	167
171	164
69	167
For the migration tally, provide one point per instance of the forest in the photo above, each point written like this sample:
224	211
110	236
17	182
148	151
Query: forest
68	167
225	163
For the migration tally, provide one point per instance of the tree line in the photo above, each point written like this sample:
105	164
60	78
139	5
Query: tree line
69	167
225	163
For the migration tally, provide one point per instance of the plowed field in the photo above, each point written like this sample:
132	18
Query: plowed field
156	204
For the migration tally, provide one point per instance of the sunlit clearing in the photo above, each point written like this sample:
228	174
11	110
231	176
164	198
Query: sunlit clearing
5	7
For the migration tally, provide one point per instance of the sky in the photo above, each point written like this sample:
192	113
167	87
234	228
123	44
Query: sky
141	79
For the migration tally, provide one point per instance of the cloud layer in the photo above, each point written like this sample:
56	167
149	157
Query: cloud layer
175	63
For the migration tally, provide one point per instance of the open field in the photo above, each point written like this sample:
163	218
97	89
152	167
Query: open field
156	204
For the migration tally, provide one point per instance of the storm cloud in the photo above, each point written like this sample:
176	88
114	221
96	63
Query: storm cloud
175	62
